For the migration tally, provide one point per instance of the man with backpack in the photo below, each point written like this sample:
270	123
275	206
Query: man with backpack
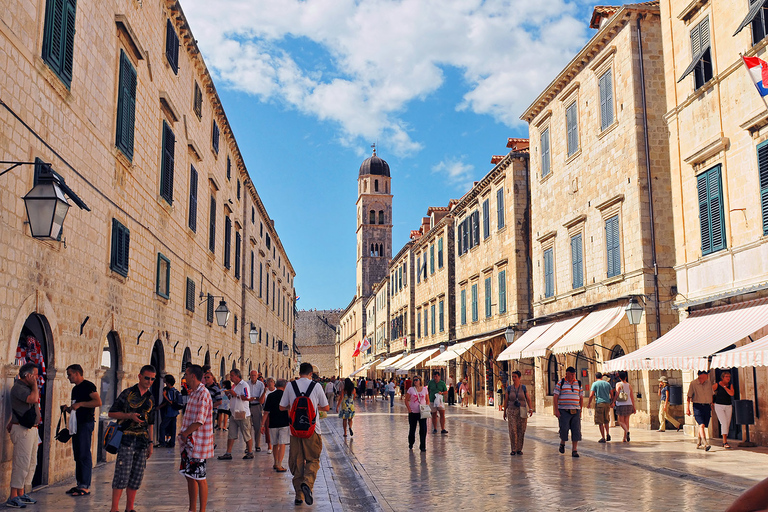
304	399
172	404
568	398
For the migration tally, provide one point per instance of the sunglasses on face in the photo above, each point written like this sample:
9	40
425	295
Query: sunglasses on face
150	379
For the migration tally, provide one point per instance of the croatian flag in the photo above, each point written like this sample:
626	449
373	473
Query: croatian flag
758	70
357	350
365	345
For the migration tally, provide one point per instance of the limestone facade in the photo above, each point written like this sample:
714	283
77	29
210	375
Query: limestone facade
402	314
591	227
316	338
717	127
83	306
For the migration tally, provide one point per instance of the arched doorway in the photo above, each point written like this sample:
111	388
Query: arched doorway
552	374
186	360
490	384
110	384
207	360
582	370
158	361
35	345
222	370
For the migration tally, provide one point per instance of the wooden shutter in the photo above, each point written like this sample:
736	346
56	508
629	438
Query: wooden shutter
486	219
487	297
166	175
545	153
613	246
227	241
549	284
212	226
503	291
54	33
439	253
238	241
463	307
571	121
762	165
716	218
209	311
193	198
121	238
190	295
606	100
475	228
704	223
126	107
69	42
500	208
432	259
172	47
215	137
474	303
198	101
577	262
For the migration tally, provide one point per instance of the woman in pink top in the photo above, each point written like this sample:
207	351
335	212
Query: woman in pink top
416	396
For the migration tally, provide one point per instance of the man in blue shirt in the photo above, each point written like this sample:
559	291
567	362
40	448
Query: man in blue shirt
603	392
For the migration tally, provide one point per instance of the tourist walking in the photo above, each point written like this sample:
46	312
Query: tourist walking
437	395
241	416
602	392
724	404
270	388
330	390
416	396
223	409
346	406
213	388
25	417
664	416
338	387
85	398
134	411
306	441
169	413
464	392
390	390
277	423
700	394
568	398
624	401
196	438
517	410
369	390
256	399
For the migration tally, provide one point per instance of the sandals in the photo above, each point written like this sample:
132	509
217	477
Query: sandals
80	492
726	445
281	470
74	489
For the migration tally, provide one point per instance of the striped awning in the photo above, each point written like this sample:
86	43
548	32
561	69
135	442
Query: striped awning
363	368
513	351
595	324
390	361
539	347
688	345
420	356
394	366
751	354
451	354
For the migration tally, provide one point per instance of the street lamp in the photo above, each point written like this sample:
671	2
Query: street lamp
253	334
286	350
222	313
442	348
634	311
509	335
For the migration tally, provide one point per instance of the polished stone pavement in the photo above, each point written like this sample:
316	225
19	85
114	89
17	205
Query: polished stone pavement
469	468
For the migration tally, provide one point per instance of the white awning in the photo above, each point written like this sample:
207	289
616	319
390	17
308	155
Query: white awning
394	366
362	368
595	324
451	354
688	345
751	354
539	347
390	361
420	356
513	351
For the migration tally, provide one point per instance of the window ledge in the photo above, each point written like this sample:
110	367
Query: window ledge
549	300
609	128
122	159
164	300
117	275
573	157
613	280
577	291
545	178
163	202
53	79
502	229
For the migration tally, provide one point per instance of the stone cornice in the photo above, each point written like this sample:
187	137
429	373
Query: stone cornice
489	178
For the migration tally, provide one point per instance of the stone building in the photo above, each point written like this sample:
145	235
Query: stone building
316	337
374	249
492	231
718	136
401	301
599	238
119	103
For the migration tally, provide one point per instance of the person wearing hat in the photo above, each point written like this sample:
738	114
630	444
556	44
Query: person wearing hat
664	416
568	399
701	395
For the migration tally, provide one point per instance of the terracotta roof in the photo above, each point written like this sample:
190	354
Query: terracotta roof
517	144
497	158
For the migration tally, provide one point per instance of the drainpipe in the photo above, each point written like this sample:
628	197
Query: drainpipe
650	184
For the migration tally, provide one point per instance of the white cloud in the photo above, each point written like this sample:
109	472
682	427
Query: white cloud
456	172
364	61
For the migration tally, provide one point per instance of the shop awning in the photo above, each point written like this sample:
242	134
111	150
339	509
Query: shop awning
539	347
595	324
517	346
362	368
751	354
688	345
420	356
451	354
390	361
394	366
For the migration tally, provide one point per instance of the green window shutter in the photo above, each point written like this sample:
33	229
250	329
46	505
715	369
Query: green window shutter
486	219
212	226
190	295
126	107
545	153
418	269
500	208
119	257
463	307
475	313
762	165
440	253
166	172
577	262
227	241
215	137
549	275
192	198
503	291
572	124
441	311
606	100
198	101
59	37
238	242
716	214
487	297
163	276
704	220
432	259
432	318
172	47
69	42
209	309
418	324
613	246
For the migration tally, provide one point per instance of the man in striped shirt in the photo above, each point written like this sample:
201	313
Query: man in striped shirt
568	399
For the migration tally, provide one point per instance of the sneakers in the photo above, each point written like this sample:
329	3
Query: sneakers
269	451
575	454
248	455
226	456
307	492
608	437
443	431
27	499
601	441
434	431
15	503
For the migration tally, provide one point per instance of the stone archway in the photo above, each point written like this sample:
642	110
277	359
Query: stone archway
157	359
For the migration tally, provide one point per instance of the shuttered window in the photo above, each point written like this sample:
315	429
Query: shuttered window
215	137
418	324
503	291
190	295
463	307
172	47
121	238
711	216
545	160
475	312
500	208
572	128
475	229
762	164
606	100
253	263
418	269
612	246
238	242
163	280
487	297
192	198
59	37
440	253
577	261
197	101
549	273
166	167
261	278
227	242
229	171
432	313
432	259
126	107
701	61
440	315
486	219
212	226
209	309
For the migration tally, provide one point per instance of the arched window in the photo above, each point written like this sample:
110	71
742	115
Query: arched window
386	187
365	185
376	185
552	376
616	352
381	216
373	217
372	249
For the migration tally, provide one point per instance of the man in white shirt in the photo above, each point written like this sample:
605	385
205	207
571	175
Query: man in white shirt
241	415
330	390
304	453
256	402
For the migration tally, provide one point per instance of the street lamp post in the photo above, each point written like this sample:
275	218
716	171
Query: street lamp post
253	334
509	335
634	311
222	313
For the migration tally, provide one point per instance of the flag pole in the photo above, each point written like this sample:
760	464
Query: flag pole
741	56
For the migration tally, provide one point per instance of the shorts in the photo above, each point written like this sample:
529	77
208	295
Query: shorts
602	414
702	413
368	392
281	435
570	423
192	468
225	411
624	410
130	463
242	426
434	408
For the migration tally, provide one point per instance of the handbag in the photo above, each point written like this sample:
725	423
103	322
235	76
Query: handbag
113	436
72	423
425	411
622	397
238	409
28	419
62	434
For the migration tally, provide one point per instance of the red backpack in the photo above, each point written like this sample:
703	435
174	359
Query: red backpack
302	414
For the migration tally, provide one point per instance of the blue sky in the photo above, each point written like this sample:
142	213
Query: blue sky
309	85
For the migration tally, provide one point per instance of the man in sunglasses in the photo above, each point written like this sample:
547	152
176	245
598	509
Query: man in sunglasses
133	410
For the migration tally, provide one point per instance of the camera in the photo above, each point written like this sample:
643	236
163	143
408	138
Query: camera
517	403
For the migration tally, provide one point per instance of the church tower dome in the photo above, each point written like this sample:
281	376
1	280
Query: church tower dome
374	165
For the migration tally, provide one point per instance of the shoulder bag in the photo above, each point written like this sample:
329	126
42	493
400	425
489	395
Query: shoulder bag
62	434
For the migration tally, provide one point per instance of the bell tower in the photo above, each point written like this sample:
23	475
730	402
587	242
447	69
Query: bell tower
374	223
